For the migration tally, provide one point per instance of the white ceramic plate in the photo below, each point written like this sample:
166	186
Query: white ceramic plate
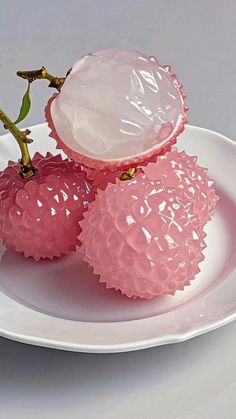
62	305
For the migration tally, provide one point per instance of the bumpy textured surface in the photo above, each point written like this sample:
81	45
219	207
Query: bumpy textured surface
40	217
100	178
181	171
116	107
176	170
142	236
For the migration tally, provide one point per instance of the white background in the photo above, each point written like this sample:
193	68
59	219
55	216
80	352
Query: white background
191	380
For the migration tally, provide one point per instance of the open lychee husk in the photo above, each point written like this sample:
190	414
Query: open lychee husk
116	108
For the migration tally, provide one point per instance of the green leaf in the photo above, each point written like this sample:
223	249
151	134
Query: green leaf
25	106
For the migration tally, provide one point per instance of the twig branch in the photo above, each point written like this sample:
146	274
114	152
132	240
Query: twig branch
42	73
27	169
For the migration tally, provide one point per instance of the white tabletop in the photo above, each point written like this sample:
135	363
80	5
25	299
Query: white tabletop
191	380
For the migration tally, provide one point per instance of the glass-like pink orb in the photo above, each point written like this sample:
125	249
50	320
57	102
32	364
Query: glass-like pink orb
39	217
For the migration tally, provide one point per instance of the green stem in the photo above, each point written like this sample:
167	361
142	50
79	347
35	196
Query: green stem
27	169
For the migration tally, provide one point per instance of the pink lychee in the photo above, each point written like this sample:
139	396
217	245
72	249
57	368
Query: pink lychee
143	236
40	216
117	108
175	169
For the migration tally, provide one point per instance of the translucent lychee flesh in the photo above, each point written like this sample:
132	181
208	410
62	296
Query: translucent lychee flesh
143	236
40	217
115	108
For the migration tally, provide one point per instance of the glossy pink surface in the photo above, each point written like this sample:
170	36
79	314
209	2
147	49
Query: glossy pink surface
179	170
40	217
145	236
100	178
116	107
174	169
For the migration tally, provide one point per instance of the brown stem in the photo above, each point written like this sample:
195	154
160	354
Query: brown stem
42	73
129	174
27	169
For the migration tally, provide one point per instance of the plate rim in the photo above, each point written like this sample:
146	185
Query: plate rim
116	348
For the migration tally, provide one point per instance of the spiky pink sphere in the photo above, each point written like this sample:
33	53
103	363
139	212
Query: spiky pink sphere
143	236
175	169
40	216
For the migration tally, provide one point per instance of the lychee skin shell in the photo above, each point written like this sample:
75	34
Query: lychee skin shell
139	236
40	217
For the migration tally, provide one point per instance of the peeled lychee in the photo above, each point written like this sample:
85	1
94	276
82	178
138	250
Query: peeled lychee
116	108
40	216
143	236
